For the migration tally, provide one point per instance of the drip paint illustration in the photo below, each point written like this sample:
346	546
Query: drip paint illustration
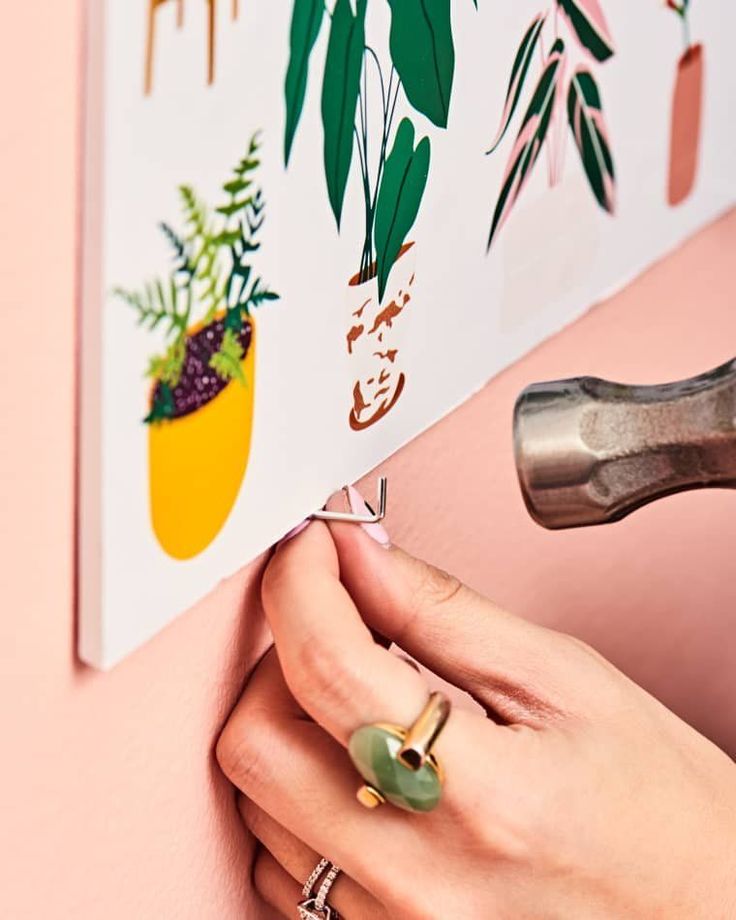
200	414
153	10
558	95
422	63
687	103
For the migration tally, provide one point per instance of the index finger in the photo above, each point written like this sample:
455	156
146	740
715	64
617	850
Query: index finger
330	660
344	680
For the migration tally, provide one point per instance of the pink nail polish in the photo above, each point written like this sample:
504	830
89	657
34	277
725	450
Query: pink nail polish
294	531
358	505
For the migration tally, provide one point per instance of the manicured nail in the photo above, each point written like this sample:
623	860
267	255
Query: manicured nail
294	531
358	506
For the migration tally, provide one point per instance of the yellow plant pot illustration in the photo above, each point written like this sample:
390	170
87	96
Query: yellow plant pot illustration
197	463
200	417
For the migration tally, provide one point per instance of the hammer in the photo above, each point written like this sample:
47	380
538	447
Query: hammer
589	451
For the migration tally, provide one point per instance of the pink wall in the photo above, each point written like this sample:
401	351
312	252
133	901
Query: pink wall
111	806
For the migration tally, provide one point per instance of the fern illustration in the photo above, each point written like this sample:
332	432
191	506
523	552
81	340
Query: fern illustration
212	273
245	208
202	237
226	361
184	264
168	367
159	302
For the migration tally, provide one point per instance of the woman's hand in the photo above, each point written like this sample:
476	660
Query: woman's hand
573	795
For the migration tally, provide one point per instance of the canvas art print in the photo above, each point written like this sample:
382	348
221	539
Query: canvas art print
312	229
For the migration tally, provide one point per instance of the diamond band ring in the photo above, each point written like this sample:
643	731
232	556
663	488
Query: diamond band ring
317	908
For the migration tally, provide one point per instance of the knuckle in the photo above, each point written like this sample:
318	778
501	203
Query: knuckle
433	898
510	838
437	587
405	900
321	678
599	669
242	752
495	829
580	647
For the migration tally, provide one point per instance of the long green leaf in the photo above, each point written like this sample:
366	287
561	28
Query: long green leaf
530	139
518	75
306	20
590	26
423	54
585	116
402	187
340	90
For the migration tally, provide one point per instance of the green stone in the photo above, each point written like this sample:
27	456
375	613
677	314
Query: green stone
374	751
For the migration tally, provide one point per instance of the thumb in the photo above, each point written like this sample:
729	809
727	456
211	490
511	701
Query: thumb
516	668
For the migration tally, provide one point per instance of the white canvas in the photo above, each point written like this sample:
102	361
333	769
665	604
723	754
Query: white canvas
469	313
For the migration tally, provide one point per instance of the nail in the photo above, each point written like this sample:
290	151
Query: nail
294	531
358	506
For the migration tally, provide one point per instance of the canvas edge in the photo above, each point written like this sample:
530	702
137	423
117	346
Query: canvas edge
89	576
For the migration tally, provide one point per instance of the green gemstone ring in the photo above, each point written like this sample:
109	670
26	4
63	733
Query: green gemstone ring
397	764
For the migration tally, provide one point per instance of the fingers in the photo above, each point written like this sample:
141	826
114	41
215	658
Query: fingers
335	670
331	663
519	670
278	889
275	886
298	860
293	770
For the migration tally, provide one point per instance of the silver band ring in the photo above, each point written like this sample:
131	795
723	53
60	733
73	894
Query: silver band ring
324	889
317	908
314	877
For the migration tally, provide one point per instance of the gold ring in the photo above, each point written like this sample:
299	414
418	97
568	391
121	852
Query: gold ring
397	763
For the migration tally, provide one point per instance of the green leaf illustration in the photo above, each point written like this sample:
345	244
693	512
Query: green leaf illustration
590	26
226	360
168	367
402	187
158	305
340	90
240	182
423	54
530	139
306	20
163	405
585	116
518	75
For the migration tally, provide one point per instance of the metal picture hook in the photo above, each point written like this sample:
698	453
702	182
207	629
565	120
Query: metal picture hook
350	518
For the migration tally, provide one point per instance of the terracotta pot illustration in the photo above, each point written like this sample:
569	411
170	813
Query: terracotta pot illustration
374	339
197	460
686	117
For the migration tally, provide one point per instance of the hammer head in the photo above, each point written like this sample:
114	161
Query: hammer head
589	451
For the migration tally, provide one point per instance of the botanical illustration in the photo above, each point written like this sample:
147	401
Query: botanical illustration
153	10
565	91
200	412
363	92
687	102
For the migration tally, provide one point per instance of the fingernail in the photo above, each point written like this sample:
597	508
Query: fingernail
358	506
294	531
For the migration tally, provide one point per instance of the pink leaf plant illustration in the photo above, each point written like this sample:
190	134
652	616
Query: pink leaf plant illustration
565	90
587	22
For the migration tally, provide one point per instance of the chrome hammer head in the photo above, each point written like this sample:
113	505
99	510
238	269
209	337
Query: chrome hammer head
589	451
